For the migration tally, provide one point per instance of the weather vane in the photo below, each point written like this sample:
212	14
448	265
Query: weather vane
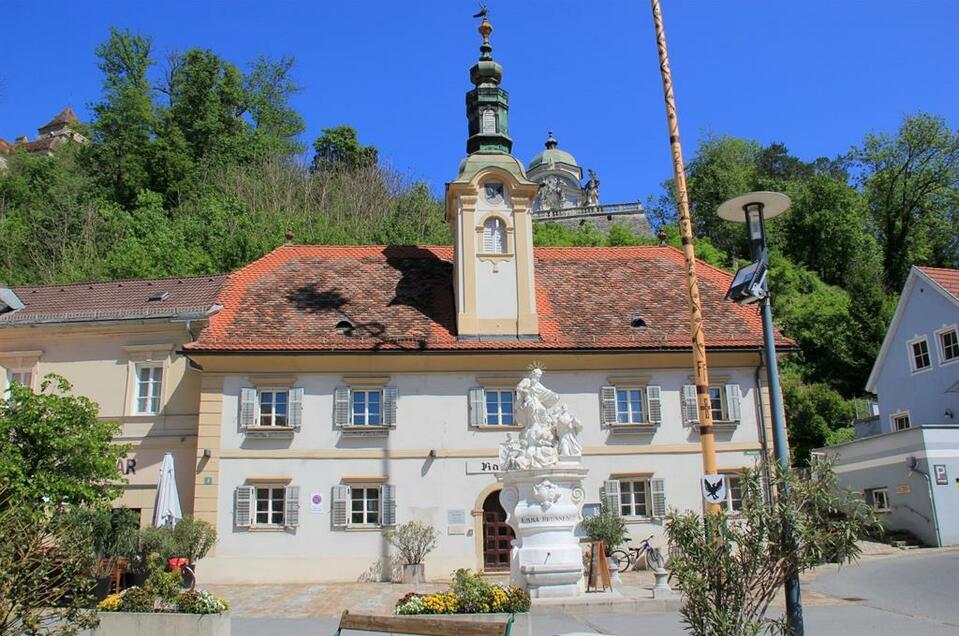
483	12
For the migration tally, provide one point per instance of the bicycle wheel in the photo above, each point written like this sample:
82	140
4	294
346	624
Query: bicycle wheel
622	559
654	560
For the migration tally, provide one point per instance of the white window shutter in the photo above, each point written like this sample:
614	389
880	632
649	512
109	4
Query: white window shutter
243	506
611	496
388	501
340	509
247	407
654	404
657	489
390	396
341	406
733	397
296	407
607	402
690	405
477	399
291	512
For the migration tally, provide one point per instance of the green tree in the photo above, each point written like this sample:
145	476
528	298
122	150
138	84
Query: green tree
814	412
339	148
277	125
55	447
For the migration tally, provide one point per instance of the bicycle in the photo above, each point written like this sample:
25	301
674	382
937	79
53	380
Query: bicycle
630	556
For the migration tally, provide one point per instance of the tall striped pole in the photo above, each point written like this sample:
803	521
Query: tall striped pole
700	368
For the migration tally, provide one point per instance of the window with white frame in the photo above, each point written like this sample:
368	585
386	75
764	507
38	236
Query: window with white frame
625	406
499	407
629	406
734	492
635	497
270	506
20	376
878	498
724	401
265	408
494	236
149	385
900	421
948	345
919	354
274	407
266	505
365	407
363	505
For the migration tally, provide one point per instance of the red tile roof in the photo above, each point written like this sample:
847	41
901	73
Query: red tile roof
65	116
115	300
948	279
402	298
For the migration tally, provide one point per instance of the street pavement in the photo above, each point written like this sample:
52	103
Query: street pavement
911	593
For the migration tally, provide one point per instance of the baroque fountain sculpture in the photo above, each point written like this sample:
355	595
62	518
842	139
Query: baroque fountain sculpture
542	476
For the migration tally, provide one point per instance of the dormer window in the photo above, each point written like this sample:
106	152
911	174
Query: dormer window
494	236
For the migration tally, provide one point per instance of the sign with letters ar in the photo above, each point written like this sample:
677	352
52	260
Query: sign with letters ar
714	488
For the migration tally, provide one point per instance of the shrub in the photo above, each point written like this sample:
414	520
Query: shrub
157	541
519	600
607	527
193	538
160	583
414	540
200	602
136	599
469	594
475	595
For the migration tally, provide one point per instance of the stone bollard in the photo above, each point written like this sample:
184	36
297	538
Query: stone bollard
661	589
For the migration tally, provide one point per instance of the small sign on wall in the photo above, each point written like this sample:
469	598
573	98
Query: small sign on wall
903	490
316	503
482	466
942	479
456	521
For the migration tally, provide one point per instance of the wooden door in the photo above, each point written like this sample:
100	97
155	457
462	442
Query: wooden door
497	536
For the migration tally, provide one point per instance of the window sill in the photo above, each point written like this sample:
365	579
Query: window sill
498	427
922	370
364	528
268	529
366	431
633	429
636	520
269	431
722	426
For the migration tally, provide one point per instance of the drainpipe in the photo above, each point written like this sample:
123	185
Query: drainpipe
767	486
914	468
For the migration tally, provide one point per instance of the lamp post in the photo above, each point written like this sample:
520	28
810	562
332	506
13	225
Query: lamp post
750	286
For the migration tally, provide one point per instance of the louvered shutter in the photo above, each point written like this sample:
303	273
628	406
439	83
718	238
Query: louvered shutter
733	397
690	407
341	406
243	498
654	405
341	505
296	407
607	403
388	499
291	512
390	396
477	399
657	489
247	407
611	496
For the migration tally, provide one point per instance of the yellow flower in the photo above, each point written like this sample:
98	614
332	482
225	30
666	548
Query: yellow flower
110	603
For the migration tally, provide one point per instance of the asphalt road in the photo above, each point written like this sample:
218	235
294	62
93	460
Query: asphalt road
916	593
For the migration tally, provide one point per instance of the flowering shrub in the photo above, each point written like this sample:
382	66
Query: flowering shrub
469	594
136	599
109	604
200	602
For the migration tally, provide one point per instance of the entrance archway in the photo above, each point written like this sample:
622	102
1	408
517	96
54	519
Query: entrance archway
497	535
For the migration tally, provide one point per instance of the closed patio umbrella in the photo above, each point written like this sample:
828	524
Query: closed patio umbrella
167	511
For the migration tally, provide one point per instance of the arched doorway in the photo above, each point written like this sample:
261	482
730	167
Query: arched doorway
497	535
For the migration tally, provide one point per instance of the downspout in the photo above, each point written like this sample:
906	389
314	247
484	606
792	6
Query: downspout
914	468
763	440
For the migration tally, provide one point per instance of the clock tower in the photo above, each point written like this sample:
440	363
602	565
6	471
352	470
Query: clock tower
488	207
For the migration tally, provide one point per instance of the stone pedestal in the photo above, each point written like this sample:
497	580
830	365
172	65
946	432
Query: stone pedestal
662	589
544	506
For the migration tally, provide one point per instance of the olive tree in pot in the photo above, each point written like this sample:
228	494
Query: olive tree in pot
610	528
193	539
114	534
414	540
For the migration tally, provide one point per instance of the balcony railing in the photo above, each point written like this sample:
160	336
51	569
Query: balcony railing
583	211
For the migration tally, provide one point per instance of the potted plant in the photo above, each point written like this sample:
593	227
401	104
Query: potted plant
193	539
414	540
610	528
114	534
150	540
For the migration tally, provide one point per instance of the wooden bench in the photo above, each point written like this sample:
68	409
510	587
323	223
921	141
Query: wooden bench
422	625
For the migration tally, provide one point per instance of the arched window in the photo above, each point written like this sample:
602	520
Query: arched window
494	236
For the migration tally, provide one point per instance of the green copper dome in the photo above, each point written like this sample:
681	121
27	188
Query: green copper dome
552	154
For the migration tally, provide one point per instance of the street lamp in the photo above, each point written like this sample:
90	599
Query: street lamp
750	286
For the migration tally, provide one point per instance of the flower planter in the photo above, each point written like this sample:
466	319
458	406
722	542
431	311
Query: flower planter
522	624
414	573
127	623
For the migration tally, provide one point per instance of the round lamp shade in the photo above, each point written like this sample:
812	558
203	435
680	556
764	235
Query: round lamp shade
774	204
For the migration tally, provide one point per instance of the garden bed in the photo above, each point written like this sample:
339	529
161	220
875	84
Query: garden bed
162	624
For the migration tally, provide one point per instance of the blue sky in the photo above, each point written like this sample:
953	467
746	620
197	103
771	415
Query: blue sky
814	74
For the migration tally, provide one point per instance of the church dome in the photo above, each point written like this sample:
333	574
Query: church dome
552	154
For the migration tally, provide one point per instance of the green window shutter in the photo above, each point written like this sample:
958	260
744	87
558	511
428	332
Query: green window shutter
243	498
690	405
657	489
341	406
388	501
296	407
477	406
733	398
611	496
340	510
607	403
247	407
291	511
390	396
654	406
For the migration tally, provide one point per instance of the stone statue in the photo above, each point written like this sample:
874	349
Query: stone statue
551	193
591	191
550	429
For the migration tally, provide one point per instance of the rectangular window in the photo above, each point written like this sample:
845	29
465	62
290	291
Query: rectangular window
21	377
878	498
920	354
634	497
949	344
629	406
499	408
367	407
270	506
717	403
734	493
364	505
149	384
274	407
900	422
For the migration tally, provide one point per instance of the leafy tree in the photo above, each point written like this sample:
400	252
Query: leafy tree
814	412
55	447
339	148
277	125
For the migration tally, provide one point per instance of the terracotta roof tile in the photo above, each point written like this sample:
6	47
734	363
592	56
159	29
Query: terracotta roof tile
402	298
948	279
